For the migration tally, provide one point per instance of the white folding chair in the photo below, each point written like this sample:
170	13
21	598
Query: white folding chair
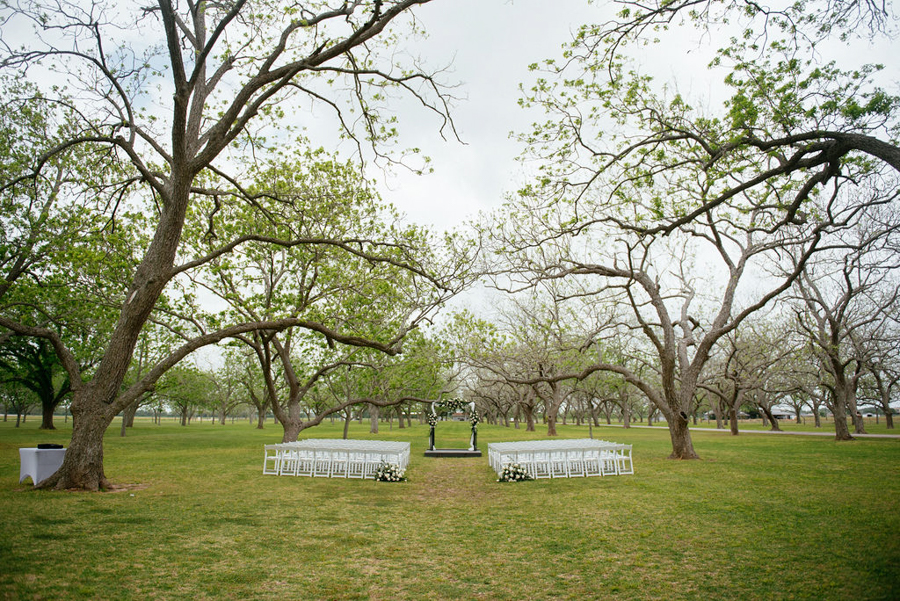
271	460
541	462
303	462
321	459
356	465
624	465
340	464
608	466
592	463
558	467
576	463
289	461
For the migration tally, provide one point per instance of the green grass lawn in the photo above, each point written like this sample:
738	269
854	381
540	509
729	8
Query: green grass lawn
759	517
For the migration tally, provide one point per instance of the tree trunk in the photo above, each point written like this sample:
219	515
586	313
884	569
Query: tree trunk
82	467
292	429
47	416
128	417
732	421
682	445
858	423
529	418
348	416
841	429
260	420
771	418
373	419
889	420
551	425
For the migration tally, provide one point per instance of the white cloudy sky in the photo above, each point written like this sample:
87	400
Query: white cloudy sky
490	44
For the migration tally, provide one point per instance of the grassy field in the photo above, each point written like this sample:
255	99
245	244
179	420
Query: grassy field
760	517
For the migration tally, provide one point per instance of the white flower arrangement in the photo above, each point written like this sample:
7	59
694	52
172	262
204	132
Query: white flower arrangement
389	472
513	472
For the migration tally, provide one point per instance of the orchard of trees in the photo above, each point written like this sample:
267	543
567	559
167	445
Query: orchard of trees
163	192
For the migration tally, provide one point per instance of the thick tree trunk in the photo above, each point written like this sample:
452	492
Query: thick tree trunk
47	416
529	418
260	420
889	420
551	416
348	417
682	445
732	421
292	429
841	429
551	425
82	467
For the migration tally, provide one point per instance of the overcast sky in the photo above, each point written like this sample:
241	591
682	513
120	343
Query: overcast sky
490	44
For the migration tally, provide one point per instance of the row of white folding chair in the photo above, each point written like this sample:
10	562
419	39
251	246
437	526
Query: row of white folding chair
569	463
328	463
392	452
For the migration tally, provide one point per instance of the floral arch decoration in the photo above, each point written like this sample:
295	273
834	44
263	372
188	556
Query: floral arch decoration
454	405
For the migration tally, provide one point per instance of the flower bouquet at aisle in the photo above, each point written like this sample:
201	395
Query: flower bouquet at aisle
389	472
513	472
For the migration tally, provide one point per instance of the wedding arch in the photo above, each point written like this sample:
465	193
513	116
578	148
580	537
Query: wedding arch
453	406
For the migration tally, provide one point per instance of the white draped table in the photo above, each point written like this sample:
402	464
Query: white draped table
563	458
39	464
333	457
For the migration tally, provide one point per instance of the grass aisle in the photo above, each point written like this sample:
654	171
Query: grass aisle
757	518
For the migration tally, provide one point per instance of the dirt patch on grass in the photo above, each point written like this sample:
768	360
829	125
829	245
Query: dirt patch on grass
114	488
451	478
